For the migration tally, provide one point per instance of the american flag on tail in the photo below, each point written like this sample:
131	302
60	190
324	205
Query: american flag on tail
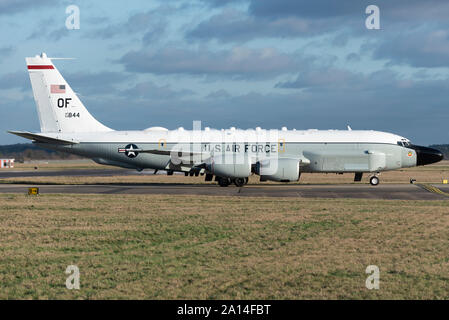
57	88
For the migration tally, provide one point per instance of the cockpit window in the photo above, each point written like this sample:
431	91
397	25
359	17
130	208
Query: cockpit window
404	143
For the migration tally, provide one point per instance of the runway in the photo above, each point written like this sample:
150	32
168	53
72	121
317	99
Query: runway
70	173
334	191
386	191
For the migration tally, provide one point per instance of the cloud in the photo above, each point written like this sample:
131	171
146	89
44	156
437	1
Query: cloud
406	105
238	62
6	51
304	18
152	24
96	82
322	78
414	33
233	25
17	115
154	33
221	3
415	109
219	94
305	8
14	6
352	57
397	9
46	30
331	78
60	33
95	20
151	91
15	80
428	48
282	19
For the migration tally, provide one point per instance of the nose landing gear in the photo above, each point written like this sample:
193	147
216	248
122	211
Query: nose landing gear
374	180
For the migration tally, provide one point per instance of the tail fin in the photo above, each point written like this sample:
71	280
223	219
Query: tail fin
58	107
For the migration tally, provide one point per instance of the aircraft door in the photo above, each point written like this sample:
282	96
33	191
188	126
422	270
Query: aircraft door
377	161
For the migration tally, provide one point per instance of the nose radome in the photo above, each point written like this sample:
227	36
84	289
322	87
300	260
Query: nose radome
426	155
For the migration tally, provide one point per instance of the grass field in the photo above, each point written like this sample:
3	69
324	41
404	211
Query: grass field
160	247
58	165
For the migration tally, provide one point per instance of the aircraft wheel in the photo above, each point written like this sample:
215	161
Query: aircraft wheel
374	181
239	182
224	182
246	180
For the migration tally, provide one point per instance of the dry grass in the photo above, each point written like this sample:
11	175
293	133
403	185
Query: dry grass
58	165
157	247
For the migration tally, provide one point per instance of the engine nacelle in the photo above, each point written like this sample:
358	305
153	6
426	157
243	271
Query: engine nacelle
283	170
230	166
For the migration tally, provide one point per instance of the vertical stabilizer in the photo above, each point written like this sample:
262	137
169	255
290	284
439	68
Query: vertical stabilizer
58	107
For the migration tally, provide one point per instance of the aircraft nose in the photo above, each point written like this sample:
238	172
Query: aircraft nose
426	155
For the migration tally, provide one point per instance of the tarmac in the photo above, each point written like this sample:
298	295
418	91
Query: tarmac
386	191
70	173
332	191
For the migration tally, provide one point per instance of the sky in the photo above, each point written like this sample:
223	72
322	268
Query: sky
229	63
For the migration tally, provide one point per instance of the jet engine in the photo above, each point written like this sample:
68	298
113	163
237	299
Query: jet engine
283	170
230	166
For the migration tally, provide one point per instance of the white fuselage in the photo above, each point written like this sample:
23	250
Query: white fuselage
316	150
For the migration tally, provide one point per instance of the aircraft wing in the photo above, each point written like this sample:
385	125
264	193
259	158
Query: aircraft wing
41	138
184	161
168	153
189	158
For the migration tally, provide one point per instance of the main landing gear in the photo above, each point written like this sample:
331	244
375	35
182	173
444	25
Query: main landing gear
224	182
239	182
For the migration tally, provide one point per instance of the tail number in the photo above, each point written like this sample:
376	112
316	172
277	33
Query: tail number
72	114
63	103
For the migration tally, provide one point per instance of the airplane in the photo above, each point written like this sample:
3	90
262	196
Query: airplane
229	155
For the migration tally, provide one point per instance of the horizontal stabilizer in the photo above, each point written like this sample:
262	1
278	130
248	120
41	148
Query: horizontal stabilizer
41	138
